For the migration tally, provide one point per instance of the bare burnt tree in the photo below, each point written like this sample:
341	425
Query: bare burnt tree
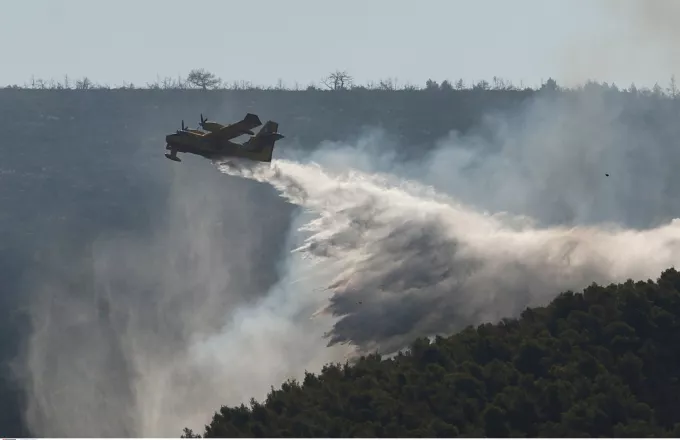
338	80
387	84
203	79
673	87
481	85
84	84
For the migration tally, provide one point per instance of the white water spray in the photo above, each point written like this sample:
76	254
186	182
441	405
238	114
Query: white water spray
409	262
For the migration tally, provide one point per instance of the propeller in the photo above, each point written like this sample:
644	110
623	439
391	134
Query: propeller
183	128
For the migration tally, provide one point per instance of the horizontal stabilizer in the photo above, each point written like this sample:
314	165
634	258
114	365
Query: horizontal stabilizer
274	136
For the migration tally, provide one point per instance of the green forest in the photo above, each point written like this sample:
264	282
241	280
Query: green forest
601	363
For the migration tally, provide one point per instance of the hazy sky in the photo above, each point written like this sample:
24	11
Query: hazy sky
302	40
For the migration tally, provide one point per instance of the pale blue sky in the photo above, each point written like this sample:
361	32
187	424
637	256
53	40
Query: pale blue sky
112	41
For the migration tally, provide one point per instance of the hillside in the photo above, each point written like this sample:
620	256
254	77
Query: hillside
79	167
600	363
107	117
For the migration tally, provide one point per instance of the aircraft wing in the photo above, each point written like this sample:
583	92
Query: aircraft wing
243	126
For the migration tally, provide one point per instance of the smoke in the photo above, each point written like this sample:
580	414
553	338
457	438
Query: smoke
114	324
582	158
173	325
635	37
587	157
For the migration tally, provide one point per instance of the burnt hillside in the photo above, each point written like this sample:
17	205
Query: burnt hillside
77	165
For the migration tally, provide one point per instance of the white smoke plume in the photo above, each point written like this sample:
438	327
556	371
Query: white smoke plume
634	41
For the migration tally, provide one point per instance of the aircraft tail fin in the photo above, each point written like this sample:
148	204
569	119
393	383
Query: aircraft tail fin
269	128
252	119
262	143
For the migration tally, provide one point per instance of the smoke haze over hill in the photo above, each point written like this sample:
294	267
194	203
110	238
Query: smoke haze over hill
143	332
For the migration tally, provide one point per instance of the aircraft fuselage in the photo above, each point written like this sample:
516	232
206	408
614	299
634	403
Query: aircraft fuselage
194	143
211	126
